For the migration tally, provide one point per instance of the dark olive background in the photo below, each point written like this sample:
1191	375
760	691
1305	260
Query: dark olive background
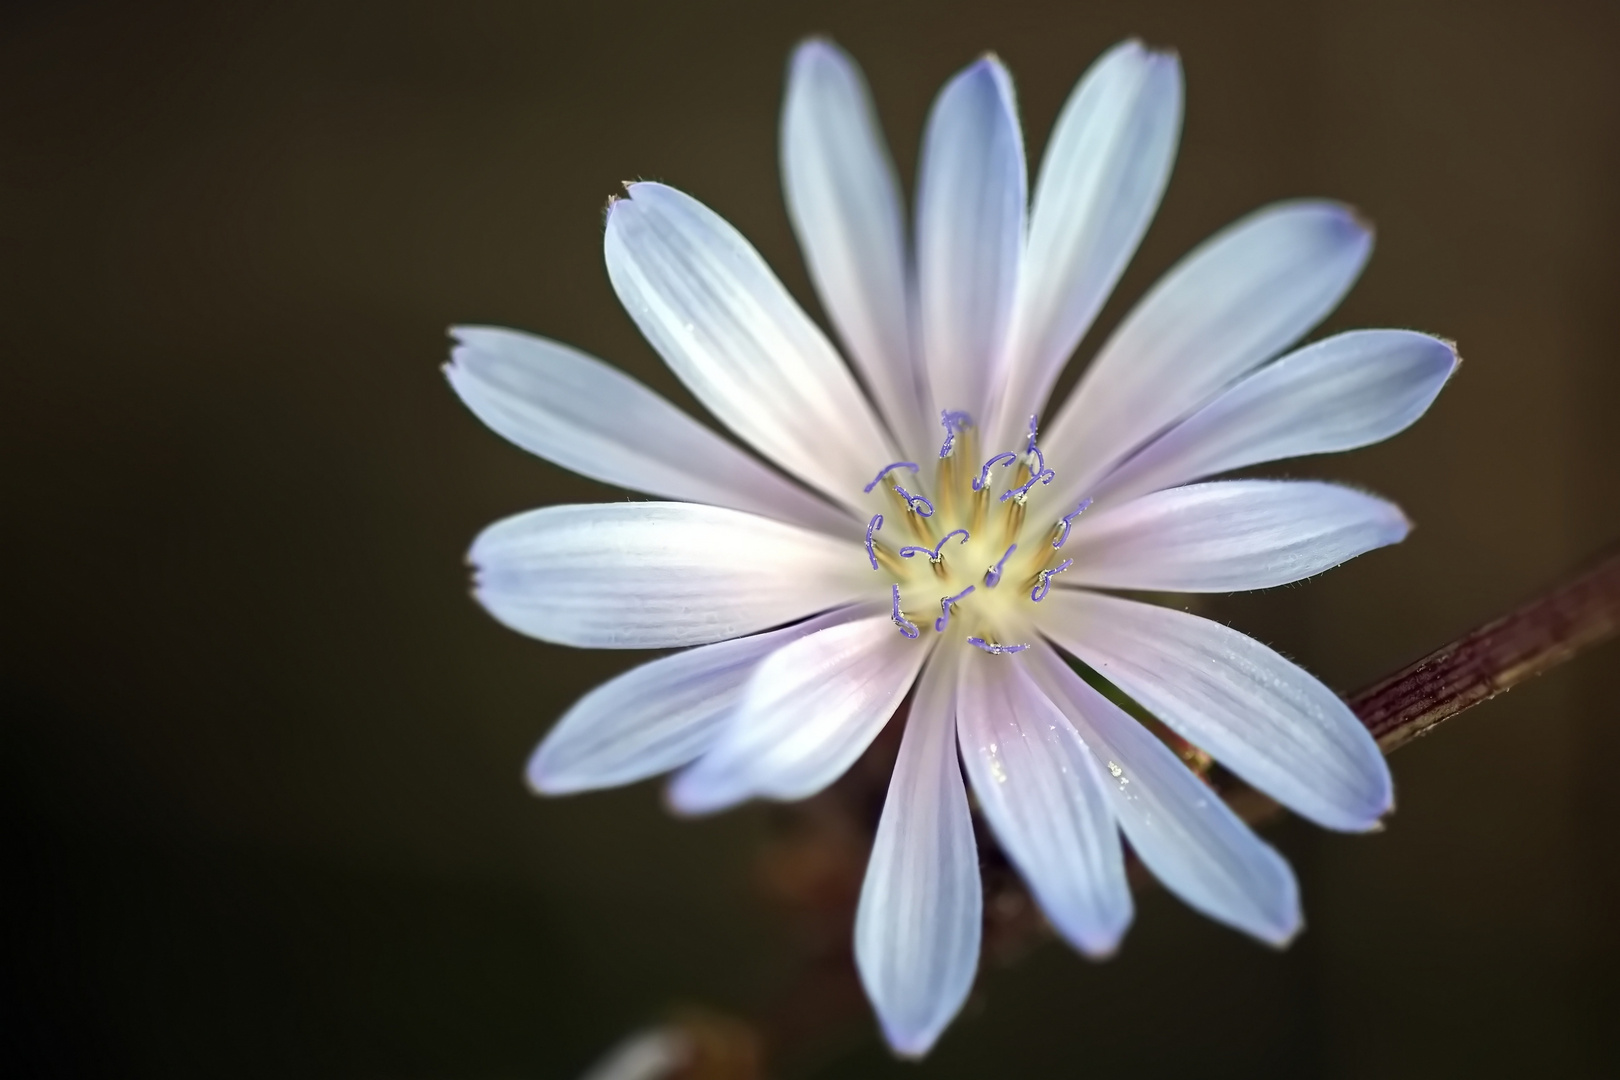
261	757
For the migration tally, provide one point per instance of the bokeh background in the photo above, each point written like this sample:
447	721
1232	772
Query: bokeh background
261	754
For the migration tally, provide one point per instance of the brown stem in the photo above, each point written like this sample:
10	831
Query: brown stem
1476	667
815	866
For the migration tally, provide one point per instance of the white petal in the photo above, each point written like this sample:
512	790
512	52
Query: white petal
1228	535
658	1054
722	321
844	200
657	575
1105	169
1178	827
971	189
1236	301
1261	716
1348	391
808	712
1041	792
587	416
658	716
918	923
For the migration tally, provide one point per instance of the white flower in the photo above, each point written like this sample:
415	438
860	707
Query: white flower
814	607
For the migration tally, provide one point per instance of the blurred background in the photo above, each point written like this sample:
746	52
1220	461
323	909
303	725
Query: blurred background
261	753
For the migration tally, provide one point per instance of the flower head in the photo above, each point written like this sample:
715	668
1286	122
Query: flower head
945	531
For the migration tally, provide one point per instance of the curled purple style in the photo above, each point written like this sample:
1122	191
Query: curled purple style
887	469
935	553
954	421
1045	476
993	649
1067	522
984	473
945	609
1038	593
919	505
871	527
907	627
992	576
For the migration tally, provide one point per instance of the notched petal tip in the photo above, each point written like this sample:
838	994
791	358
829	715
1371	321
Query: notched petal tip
910	1045
817	48
1361	220
1142	50
1099	949
1285	934
686	796
542	781
987	66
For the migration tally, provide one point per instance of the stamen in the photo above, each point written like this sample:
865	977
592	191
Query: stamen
954	421
993	575
994	649
1067	522
919	505
937	552
1045	476
1007	458
871	527
1038	593
887	469
907	627
945	609
1034	426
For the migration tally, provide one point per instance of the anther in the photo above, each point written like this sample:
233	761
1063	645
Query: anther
907	627
919	505
887	469
871	527
937	552
1067	522
993	575
994	649
1038	593
1044	476
954	421
1006	458
945	604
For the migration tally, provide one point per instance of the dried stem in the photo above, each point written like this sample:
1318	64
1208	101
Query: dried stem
1476	667
814	868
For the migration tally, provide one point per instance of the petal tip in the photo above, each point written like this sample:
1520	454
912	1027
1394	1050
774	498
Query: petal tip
817	49
689	794
543	777
910	1044
1362	223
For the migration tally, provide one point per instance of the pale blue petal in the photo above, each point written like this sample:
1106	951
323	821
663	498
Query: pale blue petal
918	922
657	575
1228	536
1236	301
1104	172
1348	391
722	321
1258	714
971	191
1041	792
807	713
844	201
1178	826
658	716
587	416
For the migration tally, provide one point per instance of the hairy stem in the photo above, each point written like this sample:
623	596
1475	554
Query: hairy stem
1481	664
